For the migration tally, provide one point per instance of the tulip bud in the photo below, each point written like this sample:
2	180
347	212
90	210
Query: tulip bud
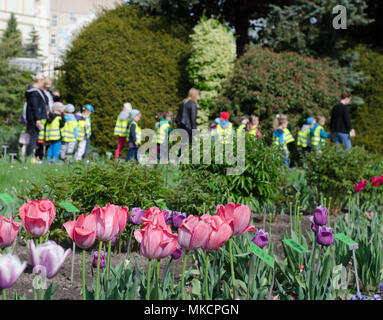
320	216
177	219
325	236
102	259
314	226
261	238
8	231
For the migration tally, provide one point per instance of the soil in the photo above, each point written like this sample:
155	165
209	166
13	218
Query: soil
71	290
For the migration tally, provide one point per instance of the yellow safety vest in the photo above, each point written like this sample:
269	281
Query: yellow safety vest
241	129
52	130
225	134
316	139
303	136
253	131
138	131
68	131
121	127
42	132
81	130
287	137
162	132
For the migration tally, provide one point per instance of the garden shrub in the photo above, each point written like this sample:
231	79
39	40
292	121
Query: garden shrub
369	131
126	56
9	135
212	59
334	171
266	83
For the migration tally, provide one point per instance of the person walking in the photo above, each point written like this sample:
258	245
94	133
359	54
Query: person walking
134	135
121	129
304	135
187	113
282	136
35	113
318	134
340	123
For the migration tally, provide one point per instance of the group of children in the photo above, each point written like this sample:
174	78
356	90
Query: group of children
63	130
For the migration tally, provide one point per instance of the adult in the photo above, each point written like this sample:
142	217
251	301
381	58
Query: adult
187	113
48	93
35	111
340	124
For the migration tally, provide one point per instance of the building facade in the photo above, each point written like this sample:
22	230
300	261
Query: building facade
56	21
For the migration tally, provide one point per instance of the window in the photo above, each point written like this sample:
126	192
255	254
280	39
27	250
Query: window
53	39
54	21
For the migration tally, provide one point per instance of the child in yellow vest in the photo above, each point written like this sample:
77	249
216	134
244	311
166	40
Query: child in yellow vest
55	123
318	133
121	128
282	136
69	133
134	134
252	126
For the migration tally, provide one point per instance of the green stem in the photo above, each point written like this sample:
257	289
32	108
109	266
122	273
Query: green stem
148	279
83	275
108	265
4	295
98	270
130	240
312	269
232	269
157	278
183	275
206	275
250	276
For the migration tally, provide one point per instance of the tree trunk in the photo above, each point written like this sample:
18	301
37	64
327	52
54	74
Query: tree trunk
242	25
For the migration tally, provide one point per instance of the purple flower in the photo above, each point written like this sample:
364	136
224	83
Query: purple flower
377	297
320	216
177	253
261	238
114	240
381	288
314	226
325	236
167	216
178	217
10	270
102	259
136	215
49	255
356	297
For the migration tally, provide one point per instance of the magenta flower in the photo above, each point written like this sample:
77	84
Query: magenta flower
261	238
10	270
177	219
376	181
102	259
314	226
360	186
320	216
136	215
177	253
325	236
167	216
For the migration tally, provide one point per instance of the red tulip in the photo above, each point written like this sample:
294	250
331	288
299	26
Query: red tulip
360	186
122	217
376	181
237	216
156	242
106	221
8	231
193	233
37	216
83	231
219	232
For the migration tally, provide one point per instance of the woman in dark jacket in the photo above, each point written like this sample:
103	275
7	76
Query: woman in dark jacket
187	113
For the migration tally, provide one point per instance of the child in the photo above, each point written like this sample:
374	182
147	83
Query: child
252	126
282	136
162	134
304	135
318	133
121	128
87	111
224	128
242	127
134	134
69	132
55	122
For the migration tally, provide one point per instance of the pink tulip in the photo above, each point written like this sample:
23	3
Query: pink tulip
37	216
219	232
237	216
193	233
156	242
10	270
8	231
154	216
107	223
83	231
122	217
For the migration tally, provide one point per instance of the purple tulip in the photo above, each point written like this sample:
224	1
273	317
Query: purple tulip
49	255
167	216
325	236
102	259
261	238
10	270
136	215
320	216
178	217
314	226
177	253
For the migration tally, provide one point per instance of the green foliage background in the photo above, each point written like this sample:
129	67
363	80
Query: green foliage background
266	83
126	55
